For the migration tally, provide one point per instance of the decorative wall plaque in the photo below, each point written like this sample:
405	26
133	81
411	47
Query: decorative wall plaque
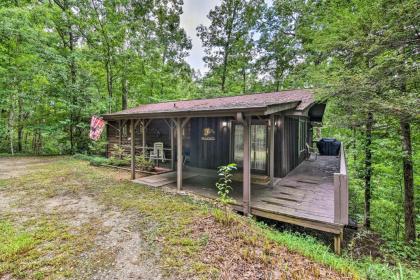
208	134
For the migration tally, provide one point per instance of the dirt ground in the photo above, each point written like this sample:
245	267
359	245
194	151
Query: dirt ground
115	234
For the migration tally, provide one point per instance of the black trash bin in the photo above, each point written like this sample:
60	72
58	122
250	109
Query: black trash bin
328	147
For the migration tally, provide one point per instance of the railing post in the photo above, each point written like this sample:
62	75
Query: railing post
341	192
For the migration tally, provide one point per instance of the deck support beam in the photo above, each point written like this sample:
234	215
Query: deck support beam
180	123
337	243
133	150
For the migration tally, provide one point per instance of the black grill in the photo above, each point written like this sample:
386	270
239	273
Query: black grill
328	147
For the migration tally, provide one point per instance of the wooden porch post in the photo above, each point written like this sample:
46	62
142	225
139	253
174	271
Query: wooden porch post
119	133
133	151
271	153
143	136
179	155
283	145
180	123
246	168
172	145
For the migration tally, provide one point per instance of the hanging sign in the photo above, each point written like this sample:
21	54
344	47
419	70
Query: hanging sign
208	134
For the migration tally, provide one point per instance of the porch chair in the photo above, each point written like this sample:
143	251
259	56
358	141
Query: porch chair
312	151
158	152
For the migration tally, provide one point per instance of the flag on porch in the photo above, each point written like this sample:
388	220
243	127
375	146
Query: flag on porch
96	127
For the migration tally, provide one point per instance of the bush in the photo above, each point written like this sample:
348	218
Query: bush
143	163
118	151
118	162
96	161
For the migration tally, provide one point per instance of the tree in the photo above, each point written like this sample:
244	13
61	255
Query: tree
279	45
229	39
368	50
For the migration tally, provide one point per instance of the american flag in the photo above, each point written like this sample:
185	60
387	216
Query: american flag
96	127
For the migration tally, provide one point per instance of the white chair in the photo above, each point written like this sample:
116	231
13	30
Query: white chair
158	152
312	151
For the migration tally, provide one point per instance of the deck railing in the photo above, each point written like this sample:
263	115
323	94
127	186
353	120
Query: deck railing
341	191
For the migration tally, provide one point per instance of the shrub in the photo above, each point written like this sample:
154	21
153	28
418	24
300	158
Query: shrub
143	163
223	186
118	151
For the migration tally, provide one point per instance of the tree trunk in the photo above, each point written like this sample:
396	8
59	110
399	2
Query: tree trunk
12	151
409	206
20	125
368	168
225	62
108	70
244	79
72	66
124	90
229	27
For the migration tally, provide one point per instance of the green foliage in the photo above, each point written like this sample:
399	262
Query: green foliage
224	187
97	160
364	268
13	242
58	68
144	163
118	151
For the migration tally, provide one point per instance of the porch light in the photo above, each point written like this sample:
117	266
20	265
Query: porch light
224	123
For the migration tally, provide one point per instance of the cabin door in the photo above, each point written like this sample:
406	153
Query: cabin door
258	142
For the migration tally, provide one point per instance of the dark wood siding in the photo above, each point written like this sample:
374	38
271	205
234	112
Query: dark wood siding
157	131
205	153
287	154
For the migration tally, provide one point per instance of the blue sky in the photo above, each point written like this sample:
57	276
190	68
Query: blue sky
195	13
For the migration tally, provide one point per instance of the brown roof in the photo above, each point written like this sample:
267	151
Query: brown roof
249	101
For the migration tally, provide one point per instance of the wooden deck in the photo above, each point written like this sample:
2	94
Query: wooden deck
304	197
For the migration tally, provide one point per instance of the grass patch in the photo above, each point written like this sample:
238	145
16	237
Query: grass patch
40	248
365	268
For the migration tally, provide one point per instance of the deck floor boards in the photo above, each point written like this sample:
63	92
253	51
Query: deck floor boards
306	192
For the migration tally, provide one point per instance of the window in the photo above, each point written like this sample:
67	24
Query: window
238	152
302	134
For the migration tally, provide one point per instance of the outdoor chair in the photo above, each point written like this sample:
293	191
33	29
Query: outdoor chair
158	152
312	151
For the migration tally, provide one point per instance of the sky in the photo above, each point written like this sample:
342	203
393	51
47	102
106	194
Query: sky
195	13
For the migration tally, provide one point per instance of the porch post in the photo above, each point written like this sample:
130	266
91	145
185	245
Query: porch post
246	168
172	144
143	136
179	154
271	153
283	146
133	151
119	133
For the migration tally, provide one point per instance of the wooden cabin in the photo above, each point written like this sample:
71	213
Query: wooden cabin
266	134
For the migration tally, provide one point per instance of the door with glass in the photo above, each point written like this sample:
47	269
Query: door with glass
258	143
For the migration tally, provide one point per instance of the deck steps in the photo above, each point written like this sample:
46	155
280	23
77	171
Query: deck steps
255	179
